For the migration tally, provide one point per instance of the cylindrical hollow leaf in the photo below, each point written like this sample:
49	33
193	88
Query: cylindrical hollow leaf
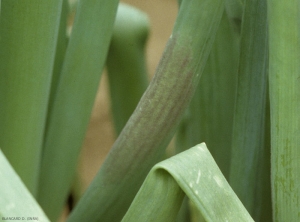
126	63
150	128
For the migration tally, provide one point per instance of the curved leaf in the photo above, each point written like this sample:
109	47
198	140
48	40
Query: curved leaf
126	63
195	173
150	128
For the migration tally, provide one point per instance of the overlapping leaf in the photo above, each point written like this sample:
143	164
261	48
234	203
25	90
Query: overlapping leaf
195	173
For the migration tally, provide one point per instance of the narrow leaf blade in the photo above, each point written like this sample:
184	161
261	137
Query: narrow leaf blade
284	62
16	201
73	101
27	48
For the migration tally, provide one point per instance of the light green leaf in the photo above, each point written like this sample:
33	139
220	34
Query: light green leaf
126	63
211	110
73	101
16	201
61	46
195	173
29	31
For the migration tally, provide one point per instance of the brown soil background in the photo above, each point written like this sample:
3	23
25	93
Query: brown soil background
100	135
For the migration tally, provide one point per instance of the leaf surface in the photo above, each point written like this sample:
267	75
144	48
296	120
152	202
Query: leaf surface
16	200
195	173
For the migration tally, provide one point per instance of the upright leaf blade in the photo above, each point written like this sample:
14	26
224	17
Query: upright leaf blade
211	110
284	31
73	101
248	139
61	46
29	32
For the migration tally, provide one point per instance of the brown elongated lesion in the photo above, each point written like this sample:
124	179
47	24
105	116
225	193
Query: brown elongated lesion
170	91
143	140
